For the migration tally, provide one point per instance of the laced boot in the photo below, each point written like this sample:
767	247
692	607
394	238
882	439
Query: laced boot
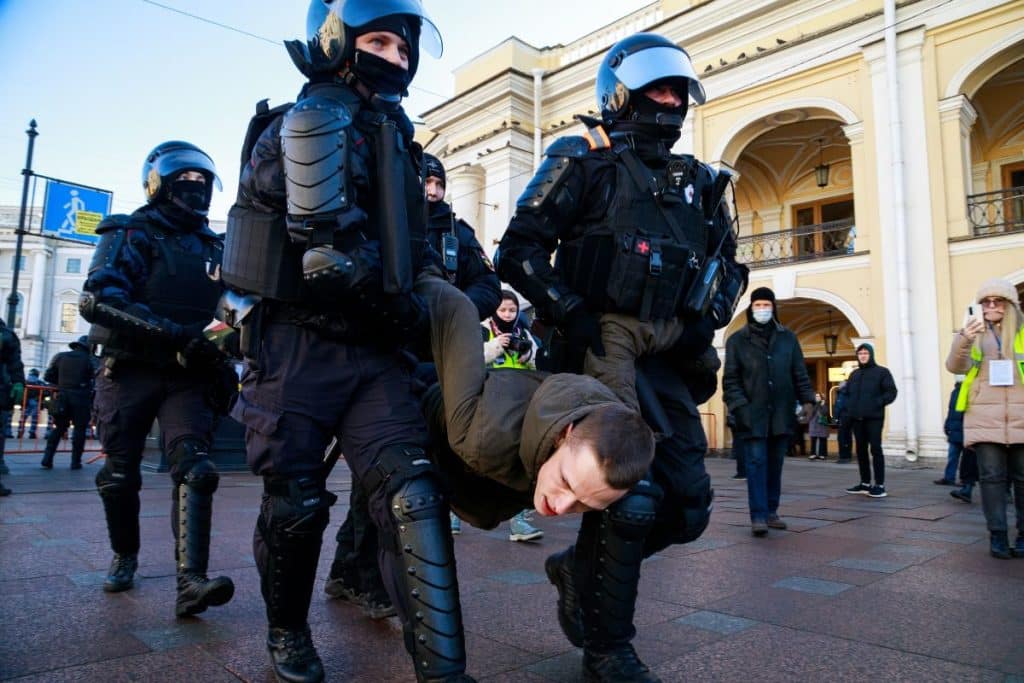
289	531
294	658
559	568
999	545
192	515
121	508
618	664
121	575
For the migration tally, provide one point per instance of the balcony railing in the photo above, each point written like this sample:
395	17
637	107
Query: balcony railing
996	213
808	242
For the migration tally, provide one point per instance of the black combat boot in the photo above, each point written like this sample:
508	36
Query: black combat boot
192	515
294	658
293	516
121	508
559	568
47	462
607	556
121	575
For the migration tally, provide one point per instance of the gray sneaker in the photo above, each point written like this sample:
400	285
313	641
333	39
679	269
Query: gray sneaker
520	529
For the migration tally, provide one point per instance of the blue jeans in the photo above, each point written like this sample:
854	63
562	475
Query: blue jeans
764	474
952	460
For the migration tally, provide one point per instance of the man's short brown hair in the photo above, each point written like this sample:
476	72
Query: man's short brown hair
623	442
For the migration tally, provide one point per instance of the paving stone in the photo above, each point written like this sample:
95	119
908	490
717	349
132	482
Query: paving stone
185	632
808	585
869	565
519	578
57	542
962	539
717	622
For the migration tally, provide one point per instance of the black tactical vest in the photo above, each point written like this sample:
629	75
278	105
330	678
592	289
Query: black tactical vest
260	255
74	370
633	260
182	286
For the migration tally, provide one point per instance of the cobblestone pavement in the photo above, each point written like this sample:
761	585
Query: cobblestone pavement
900	588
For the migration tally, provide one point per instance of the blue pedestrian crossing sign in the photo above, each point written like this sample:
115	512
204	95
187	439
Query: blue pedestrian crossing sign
74	211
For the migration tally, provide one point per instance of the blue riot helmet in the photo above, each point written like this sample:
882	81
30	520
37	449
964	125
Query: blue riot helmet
637	63
332	27
165	163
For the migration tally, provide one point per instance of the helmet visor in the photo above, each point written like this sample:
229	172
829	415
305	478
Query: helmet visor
178	160
357	13
653	64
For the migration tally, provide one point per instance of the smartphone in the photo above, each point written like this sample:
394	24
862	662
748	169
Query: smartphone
973	313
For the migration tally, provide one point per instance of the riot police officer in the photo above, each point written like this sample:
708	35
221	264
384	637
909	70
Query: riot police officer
641	232
354	575
324	242
152	288
72	371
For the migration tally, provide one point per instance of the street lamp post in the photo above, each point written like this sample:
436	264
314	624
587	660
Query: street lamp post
12	300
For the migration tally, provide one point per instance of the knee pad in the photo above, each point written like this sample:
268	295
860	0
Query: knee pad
184	455
114	480
295	510
418	499
202	477
632	516
395	465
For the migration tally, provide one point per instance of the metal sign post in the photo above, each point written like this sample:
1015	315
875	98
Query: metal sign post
12	300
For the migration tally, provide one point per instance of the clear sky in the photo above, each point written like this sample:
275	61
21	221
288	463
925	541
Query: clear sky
107	80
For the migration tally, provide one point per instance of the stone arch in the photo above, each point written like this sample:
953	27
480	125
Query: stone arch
744	131
976	71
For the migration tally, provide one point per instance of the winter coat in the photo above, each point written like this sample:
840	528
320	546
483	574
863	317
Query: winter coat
761	387
497	355
994	414
954	425
869	390
814	426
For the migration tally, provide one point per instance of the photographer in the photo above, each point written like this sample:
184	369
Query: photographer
507	343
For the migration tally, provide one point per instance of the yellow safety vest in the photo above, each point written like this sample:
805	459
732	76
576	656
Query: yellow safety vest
506	360
965	387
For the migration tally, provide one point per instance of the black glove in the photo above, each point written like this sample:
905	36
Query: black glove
200	353
700	374
582	330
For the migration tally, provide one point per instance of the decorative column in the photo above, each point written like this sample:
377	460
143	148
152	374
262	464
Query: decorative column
863	204
37	295
957	116
538	104
465	192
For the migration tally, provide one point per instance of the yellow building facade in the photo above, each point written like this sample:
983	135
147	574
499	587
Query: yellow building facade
879	151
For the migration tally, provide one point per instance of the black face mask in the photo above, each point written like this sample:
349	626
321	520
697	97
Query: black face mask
506	327
382	78
192	194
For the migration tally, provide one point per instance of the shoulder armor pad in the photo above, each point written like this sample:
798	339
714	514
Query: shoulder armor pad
314	149
549	177
113	222
569	146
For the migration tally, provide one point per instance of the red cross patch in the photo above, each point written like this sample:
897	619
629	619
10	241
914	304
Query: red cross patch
643	247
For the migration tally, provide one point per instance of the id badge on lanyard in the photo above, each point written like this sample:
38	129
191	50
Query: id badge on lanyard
1000	373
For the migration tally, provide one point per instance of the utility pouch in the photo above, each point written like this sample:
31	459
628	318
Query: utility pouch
704	288
647	275
259	256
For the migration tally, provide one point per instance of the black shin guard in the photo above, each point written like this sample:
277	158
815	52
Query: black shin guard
428	581
191	518
119	491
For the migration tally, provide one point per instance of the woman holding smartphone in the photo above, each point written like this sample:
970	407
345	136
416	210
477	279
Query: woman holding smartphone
989	350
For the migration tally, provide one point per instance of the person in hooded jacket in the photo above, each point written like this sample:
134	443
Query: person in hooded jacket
954	430
870	389
991	354
764	376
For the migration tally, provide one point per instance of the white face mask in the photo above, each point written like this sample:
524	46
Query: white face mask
763	316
